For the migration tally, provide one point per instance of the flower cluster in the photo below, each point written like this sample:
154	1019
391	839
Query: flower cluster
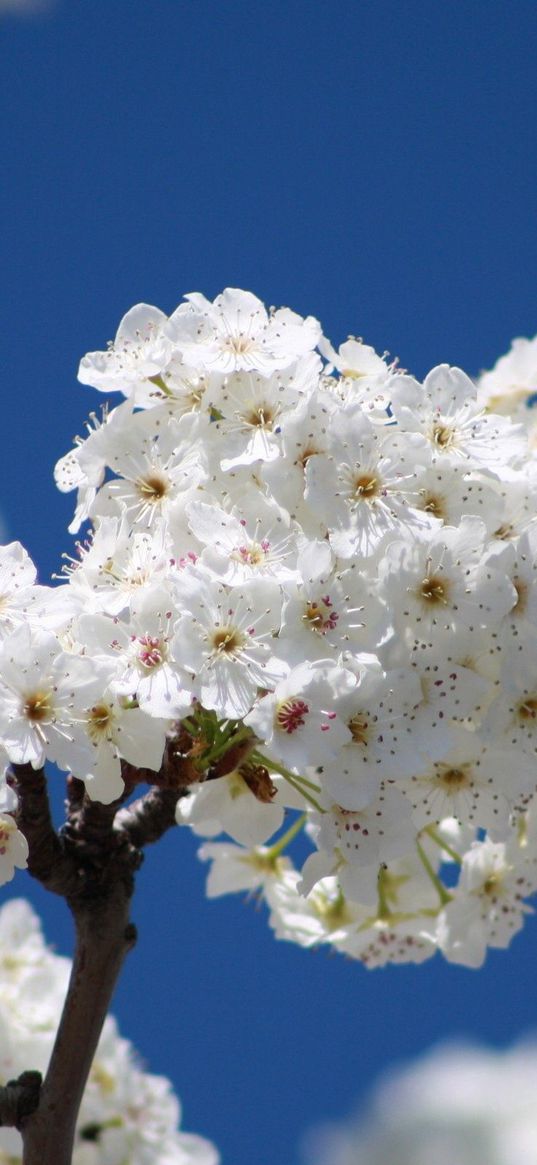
126	1114
303	560
458	1103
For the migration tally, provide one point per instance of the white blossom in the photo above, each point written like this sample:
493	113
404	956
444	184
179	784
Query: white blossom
236	333
137	353
488	908
446	412
13	848
459	1102
300	553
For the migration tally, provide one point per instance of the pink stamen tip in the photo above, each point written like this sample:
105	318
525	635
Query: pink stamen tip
151	656
291	715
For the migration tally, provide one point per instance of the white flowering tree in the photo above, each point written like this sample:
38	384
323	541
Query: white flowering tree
304	603
459	1104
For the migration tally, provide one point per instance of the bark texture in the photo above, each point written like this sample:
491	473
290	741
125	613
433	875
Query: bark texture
92	863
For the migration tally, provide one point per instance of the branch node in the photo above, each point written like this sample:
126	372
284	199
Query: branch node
19	1098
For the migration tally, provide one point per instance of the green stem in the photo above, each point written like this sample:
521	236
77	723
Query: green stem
431	832
160	383
309	784
190	726
443	894
307	796
291	778
283	772
216	751
286	838
383	907
226	742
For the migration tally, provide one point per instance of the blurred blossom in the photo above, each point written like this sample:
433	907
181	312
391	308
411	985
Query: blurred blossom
127	1116
457	1105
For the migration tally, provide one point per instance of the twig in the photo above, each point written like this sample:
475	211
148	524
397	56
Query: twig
91	863
47	859
146	820
103	938
19	1098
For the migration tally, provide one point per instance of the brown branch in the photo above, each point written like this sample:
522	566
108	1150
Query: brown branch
47	858
19	1098
148	818
99	897
92	863
177	770
88	832
103	938
92	866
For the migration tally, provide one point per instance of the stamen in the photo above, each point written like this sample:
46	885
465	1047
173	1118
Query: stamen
38	707
153	651
290	714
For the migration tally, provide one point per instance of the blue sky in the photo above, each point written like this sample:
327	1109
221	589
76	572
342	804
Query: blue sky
373	164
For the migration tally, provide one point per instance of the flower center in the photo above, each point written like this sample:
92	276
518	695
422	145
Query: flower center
305	454
433	589
319	616
239	344
505	532
153	488
359	728
492	885
195	396
432	504
254	554
366	487
38	707
100	718
152	651
443	435
260	416
527	709
227	640
455	778
290	714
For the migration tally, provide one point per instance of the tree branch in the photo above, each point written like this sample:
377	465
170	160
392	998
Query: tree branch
92	863
19	1098
148	818
177	770
47	859
92	866
88	832
103	938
